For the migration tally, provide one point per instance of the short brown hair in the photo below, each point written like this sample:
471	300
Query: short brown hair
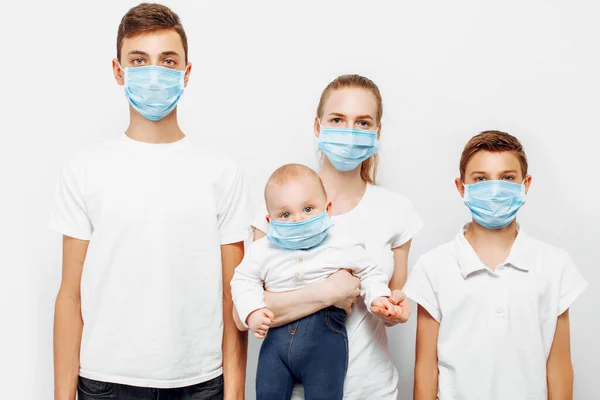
494	141
368	168
149	17
289	172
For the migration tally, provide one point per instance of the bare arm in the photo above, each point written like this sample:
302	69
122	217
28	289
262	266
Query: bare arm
235	342
426	362
400	266
559	369
68	324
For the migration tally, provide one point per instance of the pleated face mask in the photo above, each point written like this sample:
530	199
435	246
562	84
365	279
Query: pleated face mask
494	204
347	148
300	235
153	91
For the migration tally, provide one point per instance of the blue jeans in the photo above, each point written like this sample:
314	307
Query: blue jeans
312	351
89	389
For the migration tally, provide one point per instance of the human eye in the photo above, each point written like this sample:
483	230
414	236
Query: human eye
364	124
170	63
479	178
336	120
308	209
138	61
285	215
508	177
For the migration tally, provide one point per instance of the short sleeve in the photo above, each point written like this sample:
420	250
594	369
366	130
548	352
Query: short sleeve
259	220
572	284
69	214
419	288
409	223
233	217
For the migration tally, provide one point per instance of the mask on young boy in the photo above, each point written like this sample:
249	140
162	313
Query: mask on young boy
300	235
494	204
153	91
346	148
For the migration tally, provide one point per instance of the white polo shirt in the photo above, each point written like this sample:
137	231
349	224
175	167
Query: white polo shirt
151	287
496	327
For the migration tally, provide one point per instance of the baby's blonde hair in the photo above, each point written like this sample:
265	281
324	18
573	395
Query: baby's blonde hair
289	172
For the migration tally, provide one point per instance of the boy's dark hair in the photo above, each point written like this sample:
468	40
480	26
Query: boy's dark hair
149	17
494	141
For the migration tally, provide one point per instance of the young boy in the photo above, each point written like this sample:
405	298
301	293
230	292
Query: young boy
153	225
493	320
300	250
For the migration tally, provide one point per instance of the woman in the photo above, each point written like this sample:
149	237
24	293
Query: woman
347	125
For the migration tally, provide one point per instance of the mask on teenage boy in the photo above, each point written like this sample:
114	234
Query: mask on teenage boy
300	235
153	91
346	148
494	204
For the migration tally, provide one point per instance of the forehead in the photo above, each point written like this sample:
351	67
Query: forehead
296	190
491	161
351	101
154	42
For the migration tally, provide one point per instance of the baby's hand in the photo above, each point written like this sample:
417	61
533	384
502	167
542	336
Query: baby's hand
259	322
383	307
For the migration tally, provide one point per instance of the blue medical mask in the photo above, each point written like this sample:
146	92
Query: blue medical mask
153	91
300	235
347	148
494	204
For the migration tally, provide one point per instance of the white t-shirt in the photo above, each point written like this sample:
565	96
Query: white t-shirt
151	289
496	327
384	220
276	269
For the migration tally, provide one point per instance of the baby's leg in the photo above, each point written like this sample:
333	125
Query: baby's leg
273	378
322	354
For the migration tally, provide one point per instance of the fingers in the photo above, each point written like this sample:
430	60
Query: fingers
260	334
269	314
348	310
397	297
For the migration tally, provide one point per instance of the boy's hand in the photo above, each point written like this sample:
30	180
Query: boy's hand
259	322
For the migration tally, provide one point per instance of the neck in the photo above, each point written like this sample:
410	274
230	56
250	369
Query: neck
479	236
142	129
341	183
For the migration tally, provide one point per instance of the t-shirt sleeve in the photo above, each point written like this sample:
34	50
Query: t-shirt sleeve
419	288
572	284
373	282
247	288
408	223
233	217
69	214
259	220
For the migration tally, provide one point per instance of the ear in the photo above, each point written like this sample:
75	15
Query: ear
118	72
460	186
186	77
268	219
328	209
378	130
317	127
527	183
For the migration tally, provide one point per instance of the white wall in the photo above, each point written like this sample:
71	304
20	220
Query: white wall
447	70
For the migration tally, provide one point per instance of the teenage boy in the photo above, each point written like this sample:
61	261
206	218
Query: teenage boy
153	227
493	320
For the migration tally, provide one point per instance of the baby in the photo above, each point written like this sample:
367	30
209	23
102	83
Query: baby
300	250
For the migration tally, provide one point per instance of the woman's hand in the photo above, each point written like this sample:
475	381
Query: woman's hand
400	312
343	289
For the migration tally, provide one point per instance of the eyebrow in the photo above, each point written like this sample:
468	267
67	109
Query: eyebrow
143	53
513	171
366	116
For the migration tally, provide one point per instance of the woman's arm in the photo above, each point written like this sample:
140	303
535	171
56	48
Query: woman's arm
426	361
559	369
341	290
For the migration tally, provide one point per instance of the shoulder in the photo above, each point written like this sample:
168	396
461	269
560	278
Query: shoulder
210	157
438	260
93	154
547	256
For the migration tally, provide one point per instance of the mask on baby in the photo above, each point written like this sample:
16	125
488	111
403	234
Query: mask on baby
494	204
300	235
347	148
153	91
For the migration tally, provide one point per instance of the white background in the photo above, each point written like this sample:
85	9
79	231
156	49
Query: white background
446	69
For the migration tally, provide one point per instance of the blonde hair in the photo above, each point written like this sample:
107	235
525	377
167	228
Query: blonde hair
368	168
288	172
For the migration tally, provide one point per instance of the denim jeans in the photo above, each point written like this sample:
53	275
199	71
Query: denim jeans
88	389
312	351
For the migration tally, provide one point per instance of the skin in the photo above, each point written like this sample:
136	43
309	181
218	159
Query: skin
493	247
357	108
296	200
161	48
